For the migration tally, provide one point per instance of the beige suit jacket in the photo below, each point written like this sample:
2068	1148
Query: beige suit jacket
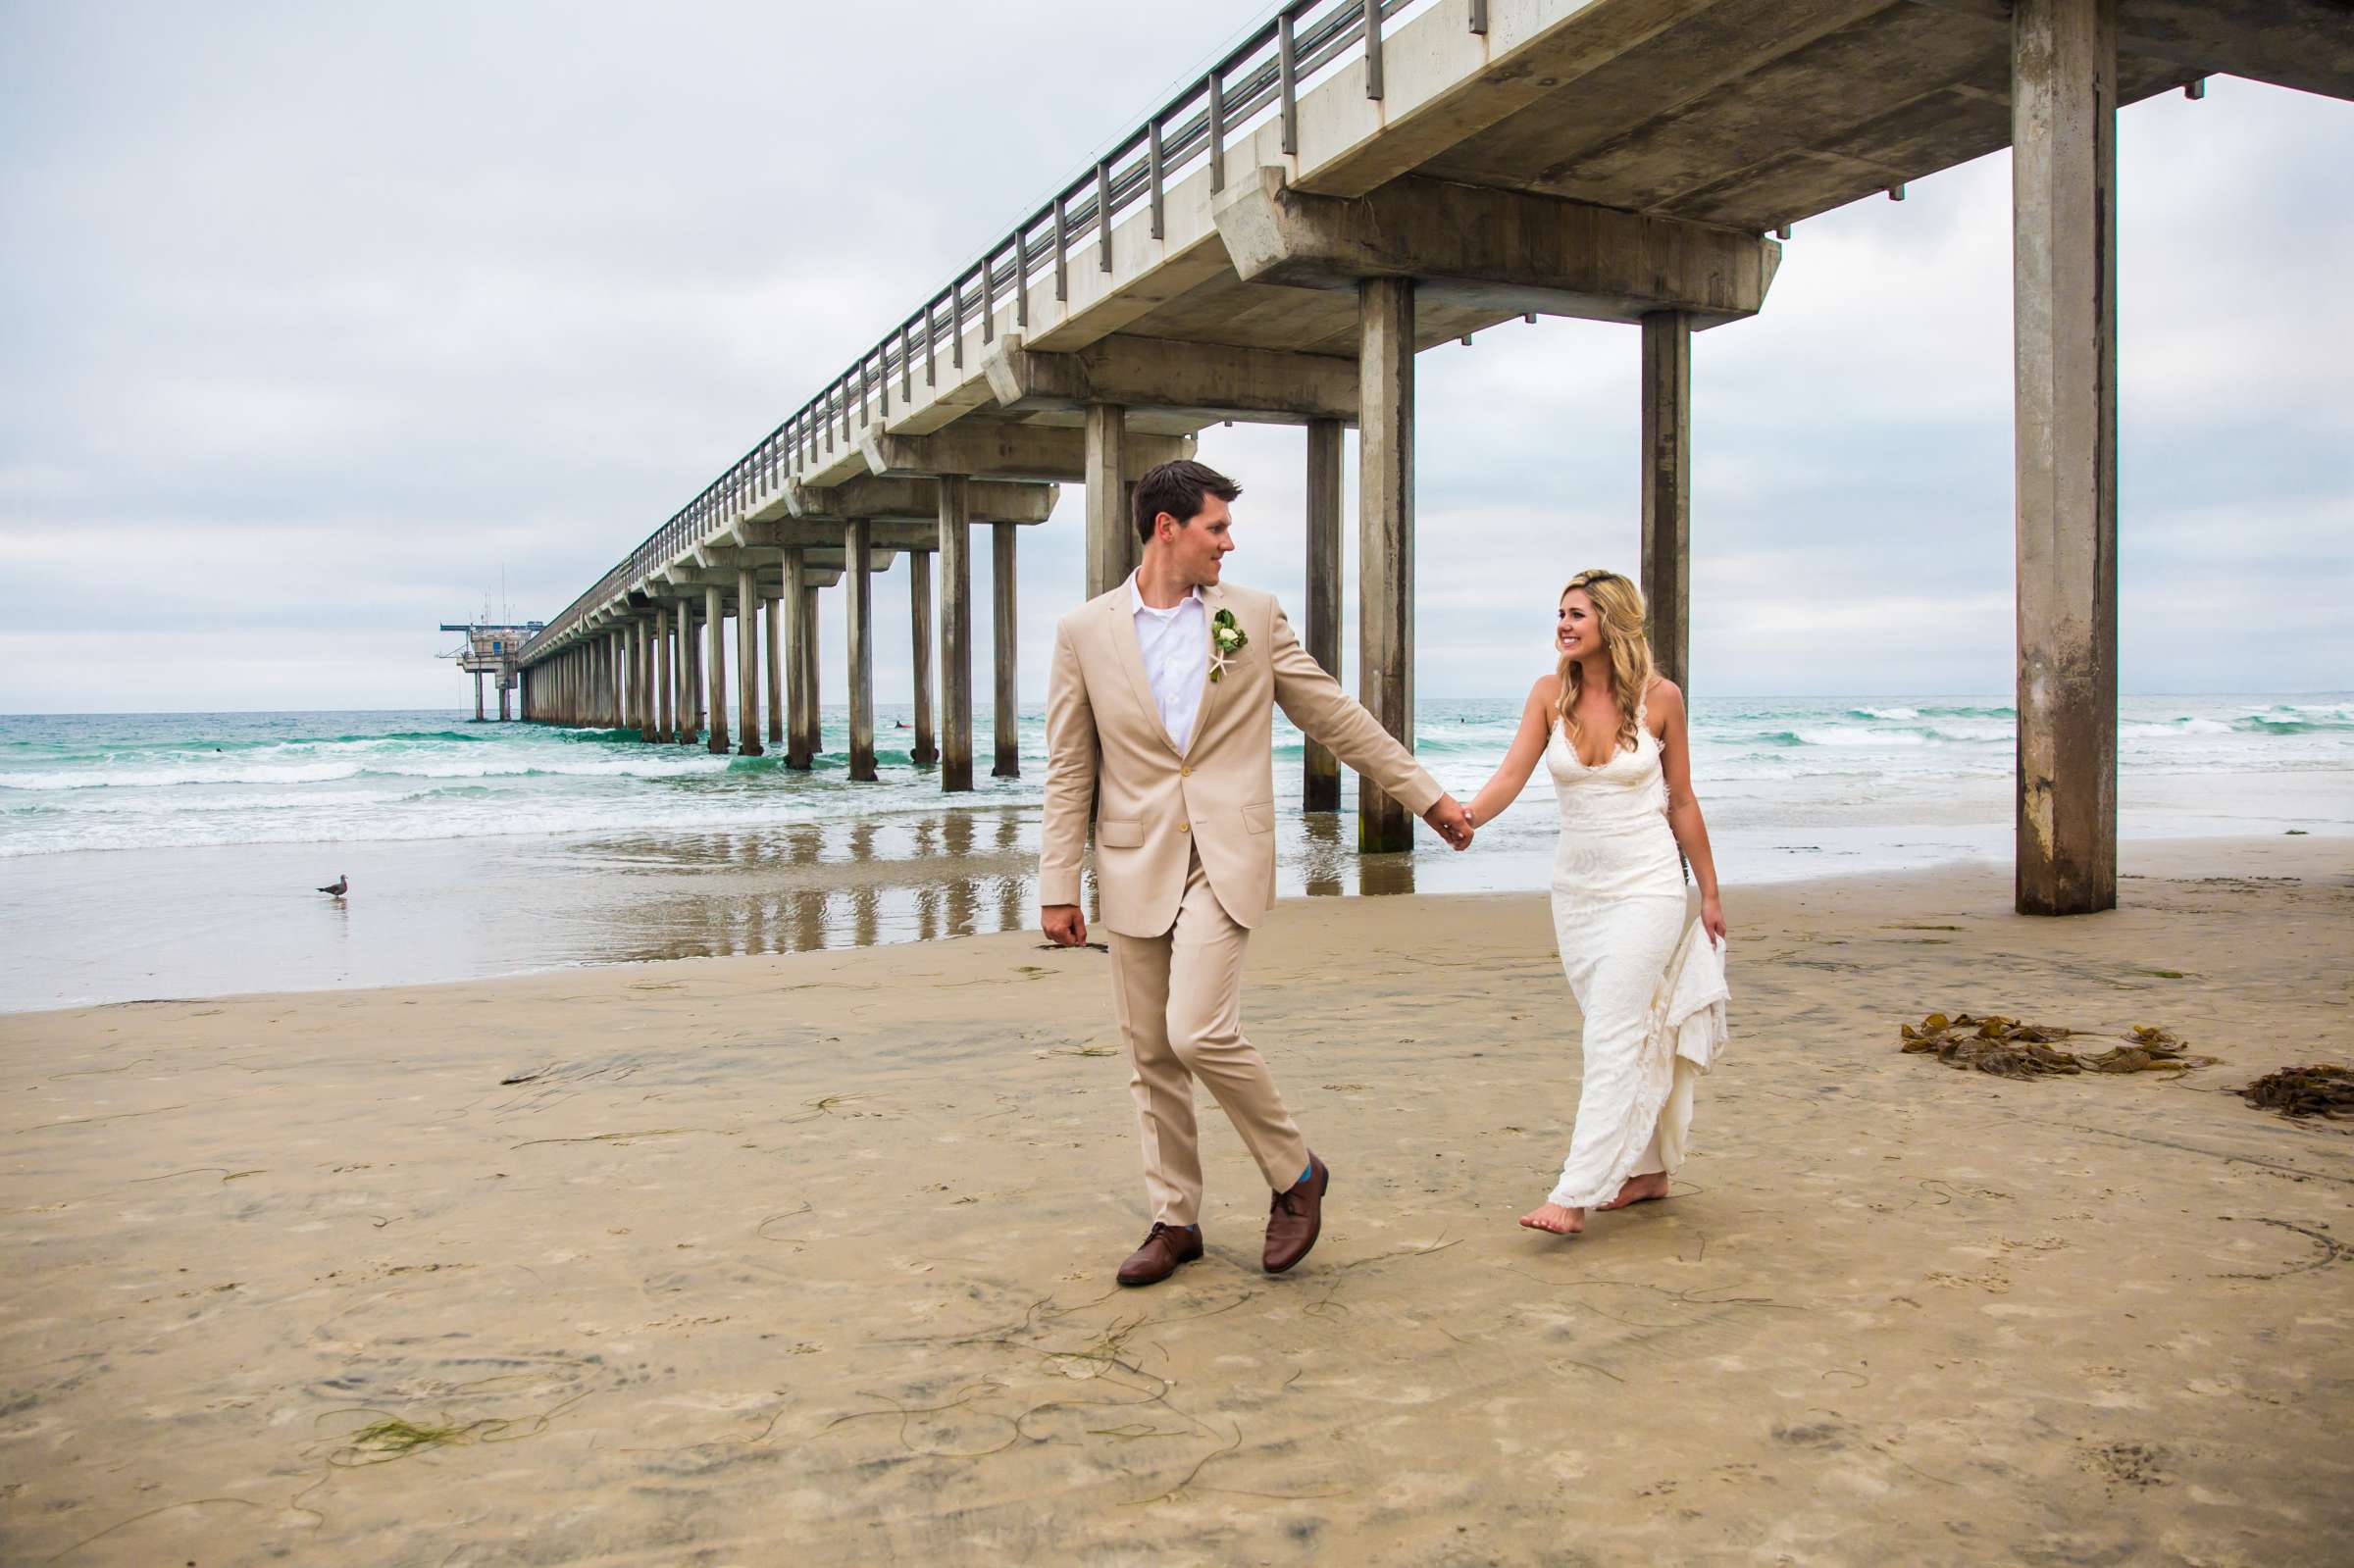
1217	797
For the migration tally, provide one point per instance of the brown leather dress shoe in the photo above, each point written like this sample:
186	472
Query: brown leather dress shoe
1165	1247
1296	1218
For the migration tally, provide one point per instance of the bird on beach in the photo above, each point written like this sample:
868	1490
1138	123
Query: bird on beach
339	886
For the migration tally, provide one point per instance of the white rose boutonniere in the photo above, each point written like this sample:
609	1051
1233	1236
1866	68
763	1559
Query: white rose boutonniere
1226	640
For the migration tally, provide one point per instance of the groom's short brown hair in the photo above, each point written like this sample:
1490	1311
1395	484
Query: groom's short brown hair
1177	489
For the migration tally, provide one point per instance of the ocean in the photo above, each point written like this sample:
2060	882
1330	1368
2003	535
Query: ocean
175	854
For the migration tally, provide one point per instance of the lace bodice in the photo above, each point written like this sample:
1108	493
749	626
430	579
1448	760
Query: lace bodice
1614	835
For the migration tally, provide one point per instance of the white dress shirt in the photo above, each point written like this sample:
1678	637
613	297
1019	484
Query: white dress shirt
1176	646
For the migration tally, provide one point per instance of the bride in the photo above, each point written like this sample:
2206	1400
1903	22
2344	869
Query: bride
1612	733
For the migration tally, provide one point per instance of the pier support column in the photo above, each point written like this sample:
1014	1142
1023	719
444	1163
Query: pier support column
649	700
1007	725
503	714
775	669
629	709
683	671
665	678
1112	543
715	669
859	583
2064	313
1385	497
1666	393
648	705
813	739
1320	769
796	600
748	663
477	696
697	686
624	676
956	634
640	686
919	620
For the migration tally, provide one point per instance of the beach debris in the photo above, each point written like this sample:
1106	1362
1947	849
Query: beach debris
2296	1092
1057	948
391	1437
2008	1048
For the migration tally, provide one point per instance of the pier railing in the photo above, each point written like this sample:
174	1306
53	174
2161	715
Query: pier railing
1257	80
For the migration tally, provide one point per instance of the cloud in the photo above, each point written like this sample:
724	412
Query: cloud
319	319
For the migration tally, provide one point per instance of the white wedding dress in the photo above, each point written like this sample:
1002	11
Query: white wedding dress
1618	913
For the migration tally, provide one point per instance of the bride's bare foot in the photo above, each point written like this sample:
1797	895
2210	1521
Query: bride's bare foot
1638	1190
1554	1218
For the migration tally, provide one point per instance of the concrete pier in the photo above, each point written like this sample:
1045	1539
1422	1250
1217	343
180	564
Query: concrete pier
1666	489
858	581
715	668
665	679
925	750
688	731
2064	291
1420	176
1320	769
633	683
775	670
747	664
1385	498
955	635
813	738
477	696
697	685
1006	724
799	699
1112	546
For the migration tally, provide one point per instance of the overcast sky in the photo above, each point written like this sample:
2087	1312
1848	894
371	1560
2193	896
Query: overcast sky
317	318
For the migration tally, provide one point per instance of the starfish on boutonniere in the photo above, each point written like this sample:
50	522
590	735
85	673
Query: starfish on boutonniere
1226	640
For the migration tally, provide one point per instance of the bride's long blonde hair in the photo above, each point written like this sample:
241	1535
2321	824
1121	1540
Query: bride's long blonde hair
1618	608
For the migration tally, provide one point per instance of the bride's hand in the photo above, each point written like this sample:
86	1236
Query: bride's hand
1711	920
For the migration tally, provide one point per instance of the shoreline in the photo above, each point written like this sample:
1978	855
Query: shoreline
684	1258
90	926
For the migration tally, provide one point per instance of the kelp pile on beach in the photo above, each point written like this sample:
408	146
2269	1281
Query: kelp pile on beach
2009	1049
2296	1092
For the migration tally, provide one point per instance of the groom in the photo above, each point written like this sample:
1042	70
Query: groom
1159	711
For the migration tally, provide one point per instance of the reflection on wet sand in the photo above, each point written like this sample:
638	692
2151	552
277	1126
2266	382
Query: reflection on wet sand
865	882
1329	865
861	883
915	877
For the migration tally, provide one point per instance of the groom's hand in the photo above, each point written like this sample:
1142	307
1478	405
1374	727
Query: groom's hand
1067	925
1451	821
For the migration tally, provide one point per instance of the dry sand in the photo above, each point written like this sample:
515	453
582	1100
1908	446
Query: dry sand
809	1259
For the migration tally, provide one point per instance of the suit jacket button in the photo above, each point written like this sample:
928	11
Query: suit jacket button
1185	826
1186	772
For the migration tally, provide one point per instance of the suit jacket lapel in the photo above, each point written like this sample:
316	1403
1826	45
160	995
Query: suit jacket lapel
1209	612
1132	660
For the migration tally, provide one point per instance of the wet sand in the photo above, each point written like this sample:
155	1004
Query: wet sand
810	1257
88	927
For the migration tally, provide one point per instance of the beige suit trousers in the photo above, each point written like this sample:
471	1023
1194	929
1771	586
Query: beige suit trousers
1179	1000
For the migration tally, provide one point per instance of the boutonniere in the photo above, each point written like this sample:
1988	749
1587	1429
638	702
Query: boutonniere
1226	640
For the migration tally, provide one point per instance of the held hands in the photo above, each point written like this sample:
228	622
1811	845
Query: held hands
1065	924
1451	821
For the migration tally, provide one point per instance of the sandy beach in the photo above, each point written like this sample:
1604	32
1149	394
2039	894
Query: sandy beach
809	1259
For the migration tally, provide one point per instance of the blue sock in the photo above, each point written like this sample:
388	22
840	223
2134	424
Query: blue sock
1311	1169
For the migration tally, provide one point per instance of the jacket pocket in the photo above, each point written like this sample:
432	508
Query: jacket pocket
1260	815
1113	833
